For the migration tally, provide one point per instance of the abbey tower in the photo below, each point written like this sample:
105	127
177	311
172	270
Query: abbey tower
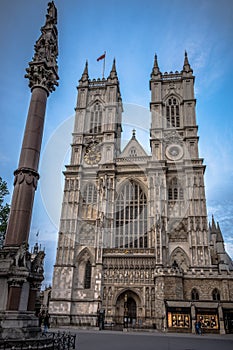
134	238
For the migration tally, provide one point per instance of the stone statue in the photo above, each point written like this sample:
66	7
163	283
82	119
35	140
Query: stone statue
52	13
20	256
37	263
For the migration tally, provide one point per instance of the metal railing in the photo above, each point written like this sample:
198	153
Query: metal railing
120	322
50	340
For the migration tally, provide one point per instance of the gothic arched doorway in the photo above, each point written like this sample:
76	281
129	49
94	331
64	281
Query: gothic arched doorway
126	308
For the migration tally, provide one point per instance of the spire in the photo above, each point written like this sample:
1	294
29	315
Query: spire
219	237
85	73
155	70
186	67
113	73
213	224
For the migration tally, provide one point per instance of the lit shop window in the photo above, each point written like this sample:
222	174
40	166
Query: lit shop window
178	320
208	321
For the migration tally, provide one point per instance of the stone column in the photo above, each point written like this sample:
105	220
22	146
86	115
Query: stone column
193	318
42	75
24	273
26	176
221	320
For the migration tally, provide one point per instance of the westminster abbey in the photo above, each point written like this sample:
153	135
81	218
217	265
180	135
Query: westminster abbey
134	241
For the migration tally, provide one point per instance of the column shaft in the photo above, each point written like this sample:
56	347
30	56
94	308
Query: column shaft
26	175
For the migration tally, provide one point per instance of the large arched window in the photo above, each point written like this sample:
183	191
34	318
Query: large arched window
87	276
131	217
89	200
175	190
173	113
216	294
96	119
194	294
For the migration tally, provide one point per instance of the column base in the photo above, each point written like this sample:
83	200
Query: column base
19	325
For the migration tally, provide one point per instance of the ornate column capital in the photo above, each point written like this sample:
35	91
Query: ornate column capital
27	175
42	70
16	282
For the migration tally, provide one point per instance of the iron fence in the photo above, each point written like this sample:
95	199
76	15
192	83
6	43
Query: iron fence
120	322
49	341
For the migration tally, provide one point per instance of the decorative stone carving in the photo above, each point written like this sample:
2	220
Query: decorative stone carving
42	70
20	256
28	175
37	263
178	231
180	258
172	138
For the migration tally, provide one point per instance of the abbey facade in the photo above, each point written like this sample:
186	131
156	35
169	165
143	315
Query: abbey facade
134	240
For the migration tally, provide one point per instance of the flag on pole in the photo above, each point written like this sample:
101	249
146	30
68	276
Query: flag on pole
101	57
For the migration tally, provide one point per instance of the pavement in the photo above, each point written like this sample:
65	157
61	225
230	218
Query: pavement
92	339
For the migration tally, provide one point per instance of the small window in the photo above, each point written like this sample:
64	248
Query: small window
87	277
133	152
175	190
216	294
194	294
96	119
173	113
170	194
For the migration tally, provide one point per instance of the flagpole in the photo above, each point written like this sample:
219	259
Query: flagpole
104	63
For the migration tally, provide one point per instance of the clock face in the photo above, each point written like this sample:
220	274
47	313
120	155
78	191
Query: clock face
92	155
174	152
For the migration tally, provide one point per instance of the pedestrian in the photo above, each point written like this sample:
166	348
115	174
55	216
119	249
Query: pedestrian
46	322
196	327
41	318
199	327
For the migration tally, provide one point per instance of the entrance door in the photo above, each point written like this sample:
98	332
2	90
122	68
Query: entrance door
126	309
132	310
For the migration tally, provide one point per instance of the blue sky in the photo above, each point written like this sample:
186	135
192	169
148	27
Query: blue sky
130	31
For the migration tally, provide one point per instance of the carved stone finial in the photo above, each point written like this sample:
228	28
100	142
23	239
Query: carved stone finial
51	17
155	71
85	76
42	70
186	67
113	73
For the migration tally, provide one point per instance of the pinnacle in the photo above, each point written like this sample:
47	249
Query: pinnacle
186	67
113	73
155	70
85	73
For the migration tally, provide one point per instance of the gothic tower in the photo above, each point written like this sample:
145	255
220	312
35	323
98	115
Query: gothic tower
134	239
177	186
88	204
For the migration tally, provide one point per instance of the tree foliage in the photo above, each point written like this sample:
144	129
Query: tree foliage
4	210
